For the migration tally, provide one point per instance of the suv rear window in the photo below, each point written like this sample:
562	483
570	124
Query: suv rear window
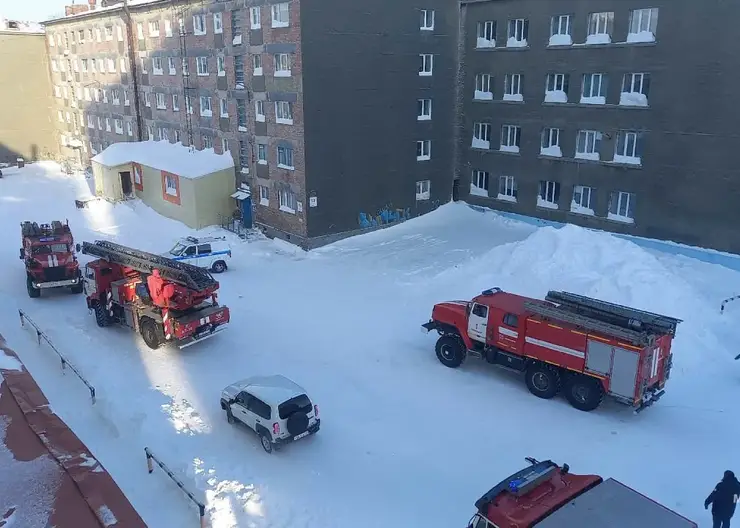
299	403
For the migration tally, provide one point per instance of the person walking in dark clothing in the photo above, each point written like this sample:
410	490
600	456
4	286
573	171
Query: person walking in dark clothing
723	500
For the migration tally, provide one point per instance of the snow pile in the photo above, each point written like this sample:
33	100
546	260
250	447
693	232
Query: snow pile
553	151
640	37
560	40
632	99
556	96
163	155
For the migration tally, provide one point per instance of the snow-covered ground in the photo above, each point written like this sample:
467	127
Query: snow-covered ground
404	441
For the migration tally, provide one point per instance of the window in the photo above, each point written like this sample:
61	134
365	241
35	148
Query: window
66	40
147	99
170	184
178	139
140	30
101	65
57	91
264	195
518	33
157	68
167	28
427	20
164	133
171	68
126	100
223	107
207	142
90	34
581	202
54	65
643	23
107	124
600	28
287	200
594	88
108	32
262	154
560	31
255	20
280	15
549	194
282	65
510	138
122	64
185	68
105	96
205	106
628	148
556	88
154	28
425	64
486	35
199	24
241	115
243	155
507	189
161	104
423	150
201	65
551	143
513	87
83	65
259	111
285	157
283	112
100	123
424	110
221	66
150	132
483	87
481	136
218	23
257	65
479	183
635	89
129	128
175	102
68	118
116	96
60	116
239	72
224	145
588	145
423	190
118	123
119	33
51	41
622	207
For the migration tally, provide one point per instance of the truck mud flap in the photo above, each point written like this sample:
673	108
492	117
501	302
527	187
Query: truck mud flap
197	338
428	327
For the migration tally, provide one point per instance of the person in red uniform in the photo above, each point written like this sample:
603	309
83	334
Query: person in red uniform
156	285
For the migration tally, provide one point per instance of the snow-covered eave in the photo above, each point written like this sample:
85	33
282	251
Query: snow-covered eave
21	32
105	11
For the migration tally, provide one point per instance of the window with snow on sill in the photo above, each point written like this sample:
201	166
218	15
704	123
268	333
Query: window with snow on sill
514	97
620	218
553	151
633	99
642	36
480	144
556	96
579	209
506	198
237	40
485	43
593	156
595	100
509	148
477	191
513	42
627	160
483	96
560	40
545	203
286	167
599	38
286	209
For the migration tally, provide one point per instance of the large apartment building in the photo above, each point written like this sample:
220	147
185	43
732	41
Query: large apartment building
613	114
338	115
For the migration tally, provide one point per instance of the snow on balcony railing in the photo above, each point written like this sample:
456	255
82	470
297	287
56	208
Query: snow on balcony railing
633	99
553	151
482	96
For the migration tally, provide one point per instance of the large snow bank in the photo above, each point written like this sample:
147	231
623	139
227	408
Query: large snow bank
163	155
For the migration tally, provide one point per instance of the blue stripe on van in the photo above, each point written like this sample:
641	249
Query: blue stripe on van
196	256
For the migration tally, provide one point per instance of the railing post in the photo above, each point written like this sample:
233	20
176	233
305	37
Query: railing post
92	394
148	460
38	335
20	313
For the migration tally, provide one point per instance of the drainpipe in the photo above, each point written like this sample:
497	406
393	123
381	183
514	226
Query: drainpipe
133	69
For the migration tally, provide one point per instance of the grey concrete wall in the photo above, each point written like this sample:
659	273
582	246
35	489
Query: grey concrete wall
361	86
688	187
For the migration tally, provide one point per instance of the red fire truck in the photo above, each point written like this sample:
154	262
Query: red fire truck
586	347
48	254
162	299
545	495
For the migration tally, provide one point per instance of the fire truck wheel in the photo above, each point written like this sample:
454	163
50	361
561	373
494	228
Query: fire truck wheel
101	315
543	381
584	393
32	292
450	351
150	333
218	266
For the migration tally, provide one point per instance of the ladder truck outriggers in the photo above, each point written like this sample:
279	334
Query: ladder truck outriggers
162	299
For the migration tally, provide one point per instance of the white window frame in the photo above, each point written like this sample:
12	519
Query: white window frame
556	88
171	66
223	107
481	136
129	128
513	87
255	18
126	99
185	66
480	182
591	142
423	150
550	142
122	67
259	110
561	30
635	89
147	100
622	205
221	66
107	125
206	110
139	30
287	200
510	138
157	66
517	33
100	123
108	32
486	34
508	185
160	101
262	154
170	184
642	25
280	15
224	145
201	66
599	27
199	24
118	124
427	20
154	28
264	195
551	194
483	87
426	65
423	190
292	158
581	202
167	27
54	65
218	23
207	142
175	102
283	113
116	96
256	70
282	65
626	147
597	82
424	110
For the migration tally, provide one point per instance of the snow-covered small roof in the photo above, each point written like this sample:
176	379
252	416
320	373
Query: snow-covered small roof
166	156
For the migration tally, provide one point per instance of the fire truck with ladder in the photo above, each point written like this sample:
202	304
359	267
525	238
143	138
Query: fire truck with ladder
48	254
545	495
160	298
586	347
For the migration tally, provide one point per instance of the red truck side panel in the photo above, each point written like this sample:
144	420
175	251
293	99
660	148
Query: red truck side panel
555	344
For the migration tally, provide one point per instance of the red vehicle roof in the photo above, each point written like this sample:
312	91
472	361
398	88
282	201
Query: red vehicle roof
508	302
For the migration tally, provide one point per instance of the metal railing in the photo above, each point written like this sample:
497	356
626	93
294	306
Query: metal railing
234	224
729	299
201	507
65	362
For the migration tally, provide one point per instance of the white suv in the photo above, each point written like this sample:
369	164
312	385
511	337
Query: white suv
212	253
274	407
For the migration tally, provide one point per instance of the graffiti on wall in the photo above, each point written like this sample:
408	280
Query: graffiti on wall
387	215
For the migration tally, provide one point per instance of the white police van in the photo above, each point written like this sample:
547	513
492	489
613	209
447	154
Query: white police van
212	253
